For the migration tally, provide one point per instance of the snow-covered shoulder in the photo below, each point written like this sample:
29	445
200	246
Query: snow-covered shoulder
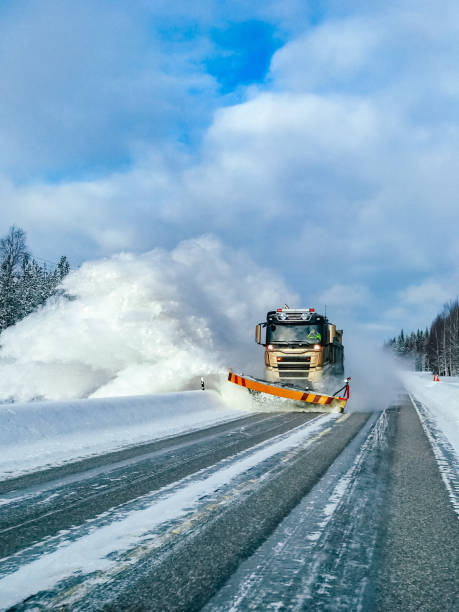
41	434
437	405
441	399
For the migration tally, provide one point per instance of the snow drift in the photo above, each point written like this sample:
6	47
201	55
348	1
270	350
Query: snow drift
140	324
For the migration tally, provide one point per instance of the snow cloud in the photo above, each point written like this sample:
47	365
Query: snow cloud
140	324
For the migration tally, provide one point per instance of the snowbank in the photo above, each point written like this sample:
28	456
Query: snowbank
441	399
40	434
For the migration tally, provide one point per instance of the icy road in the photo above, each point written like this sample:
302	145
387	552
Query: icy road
268	511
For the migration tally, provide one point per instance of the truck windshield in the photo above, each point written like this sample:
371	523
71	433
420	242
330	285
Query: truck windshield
307	334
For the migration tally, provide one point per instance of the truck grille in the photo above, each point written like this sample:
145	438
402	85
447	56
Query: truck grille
294	367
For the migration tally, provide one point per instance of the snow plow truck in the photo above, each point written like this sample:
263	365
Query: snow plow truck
301	347
304	355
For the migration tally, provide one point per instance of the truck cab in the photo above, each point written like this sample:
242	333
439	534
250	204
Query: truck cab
300	347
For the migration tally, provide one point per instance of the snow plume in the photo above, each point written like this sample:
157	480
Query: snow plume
142	324
375	383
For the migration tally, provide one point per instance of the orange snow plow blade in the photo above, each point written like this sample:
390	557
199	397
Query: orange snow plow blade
329	403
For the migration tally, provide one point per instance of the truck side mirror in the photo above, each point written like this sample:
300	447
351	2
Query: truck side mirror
258	333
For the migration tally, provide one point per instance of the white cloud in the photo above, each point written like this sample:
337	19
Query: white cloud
340	172
328	55
428	292
342	296
84	85
417	305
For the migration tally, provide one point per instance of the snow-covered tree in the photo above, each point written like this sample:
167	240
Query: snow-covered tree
13	256
435	349
24	283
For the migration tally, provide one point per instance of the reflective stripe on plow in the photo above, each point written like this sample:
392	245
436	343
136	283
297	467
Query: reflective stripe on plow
292	394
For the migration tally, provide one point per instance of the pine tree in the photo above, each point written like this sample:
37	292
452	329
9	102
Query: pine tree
25	285
13	256
435	349
63	267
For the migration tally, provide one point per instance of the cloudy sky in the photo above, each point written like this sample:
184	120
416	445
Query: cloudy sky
318	138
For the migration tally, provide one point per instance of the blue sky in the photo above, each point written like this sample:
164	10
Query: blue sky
319	138
242	54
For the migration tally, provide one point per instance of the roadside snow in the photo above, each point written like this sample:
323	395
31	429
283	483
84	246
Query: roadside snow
441	400
41	434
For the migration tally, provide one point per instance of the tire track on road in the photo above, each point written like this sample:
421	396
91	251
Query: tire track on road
30	520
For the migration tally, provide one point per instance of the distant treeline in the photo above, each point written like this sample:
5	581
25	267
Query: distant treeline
24	283
435	350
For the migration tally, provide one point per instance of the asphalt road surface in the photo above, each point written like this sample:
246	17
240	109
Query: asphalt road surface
306	513
57	498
